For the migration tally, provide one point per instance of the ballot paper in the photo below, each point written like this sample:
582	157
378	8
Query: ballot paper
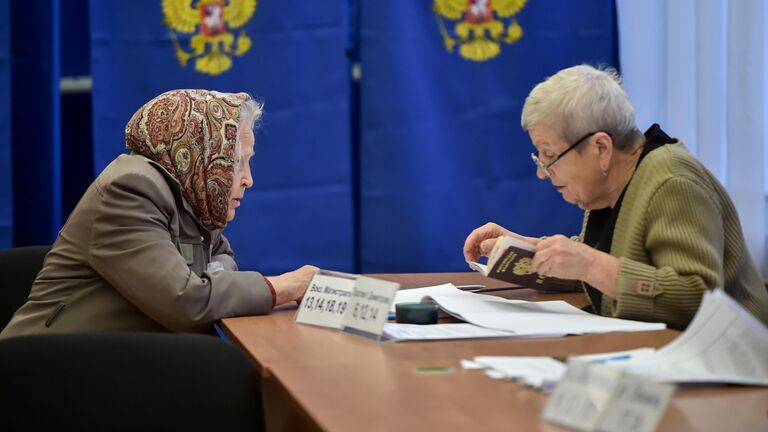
417	295
538	372
413	332
723	344
616	356
541	372
521	317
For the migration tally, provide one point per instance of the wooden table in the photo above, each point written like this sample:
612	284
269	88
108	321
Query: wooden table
321	379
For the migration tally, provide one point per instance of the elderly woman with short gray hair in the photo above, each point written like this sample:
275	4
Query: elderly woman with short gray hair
659	229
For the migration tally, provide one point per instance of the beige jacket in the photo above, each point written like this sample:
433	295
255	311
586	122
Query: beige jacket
132	257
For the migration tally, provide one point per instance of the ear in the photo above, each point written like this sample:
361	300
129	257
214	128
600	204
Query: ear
604	147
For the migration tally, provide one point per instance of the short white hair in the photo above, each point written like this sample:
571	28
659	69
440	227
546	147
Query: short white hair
580	100
248	116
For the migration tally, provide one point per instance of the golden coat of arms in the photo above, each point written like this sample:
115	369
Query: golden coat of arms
523	267
213	46
483	25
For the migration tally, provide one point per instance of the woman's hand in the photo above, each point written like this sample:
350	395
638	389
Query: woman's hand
481	240
292	285
560	257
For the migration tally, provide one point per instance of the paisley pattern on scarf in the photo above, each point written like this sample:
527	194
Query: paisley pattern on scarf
193	135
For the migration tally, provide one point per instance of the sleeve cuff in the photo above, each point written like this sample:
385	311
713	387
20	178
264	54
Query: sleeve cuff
638	289
272	290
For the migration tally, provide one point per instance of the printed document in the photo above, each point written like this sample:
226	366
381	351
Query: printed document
724	344
521	317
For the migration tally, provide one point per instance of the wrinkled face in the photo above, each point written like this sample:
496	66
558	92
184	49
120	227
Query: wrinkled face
577	175
241	179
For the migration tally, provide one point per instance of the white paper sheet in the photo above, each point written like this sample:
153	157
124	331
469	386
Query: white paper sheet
416	295
539	372
724	343
518	316
410	332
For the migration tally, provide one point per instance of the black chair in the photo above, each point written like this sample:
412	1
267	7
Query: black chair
18	269
127	382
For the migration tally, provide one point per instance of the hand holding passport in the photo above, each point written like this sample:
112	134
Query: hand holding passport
510	261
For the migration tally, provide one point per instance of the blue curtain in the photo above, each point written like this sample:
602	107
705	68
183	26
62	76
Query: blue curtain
300	208
386	171
35	117
441	148
45	147
6	173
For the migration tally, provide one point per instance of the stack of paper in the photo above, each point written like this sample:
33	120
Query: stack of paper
548	318
413	332
723	344
416	295
538	372
541	372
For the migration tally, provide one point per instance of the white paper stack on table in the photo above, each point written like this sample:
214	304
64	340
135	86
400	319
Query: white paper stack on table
404	332
723	344
539	372
518	317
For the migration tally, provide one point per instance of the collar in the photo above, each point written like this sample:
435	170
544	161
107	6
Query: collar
656	136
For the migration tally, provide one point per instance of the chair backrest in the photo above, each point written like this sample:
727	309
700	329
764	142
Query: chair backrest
127	382
18	269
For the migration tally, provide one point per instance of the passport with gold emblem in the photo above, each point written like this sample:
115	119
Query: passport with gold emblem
510	261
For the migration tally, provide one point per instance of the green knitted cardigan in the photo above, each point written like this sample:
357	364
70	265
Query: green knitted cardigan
677	235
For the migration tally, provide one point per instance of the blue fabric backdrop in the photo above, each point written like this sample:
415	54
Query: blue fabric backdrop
386	173
300	208
442	151
35	116
6	173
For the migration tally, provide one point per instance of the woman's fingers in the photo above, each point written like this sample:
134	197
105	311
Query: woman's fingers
473	244
486	246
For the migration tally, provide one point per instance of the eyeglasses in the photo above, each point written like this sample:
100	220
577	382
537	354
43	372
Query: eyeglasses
545	166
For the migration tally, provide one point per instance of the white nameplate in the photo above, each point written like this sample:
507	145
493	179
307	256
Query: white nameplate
355	304
592	397
327	299
369	307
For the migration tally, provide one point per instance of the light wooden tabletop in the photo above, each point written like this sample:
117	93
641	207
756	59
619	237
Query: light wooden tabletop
321	379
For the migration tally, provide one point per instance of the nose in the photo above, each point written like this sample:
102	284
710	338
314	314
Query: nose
247	179
540	173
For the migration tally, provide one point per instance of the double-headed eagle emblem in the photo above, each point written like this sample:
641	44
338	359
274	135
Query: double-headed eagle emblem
483	25
523	267
213	46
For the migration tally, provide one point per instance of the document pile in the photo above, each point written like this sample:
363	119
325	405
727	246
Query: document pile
539	372
723	344
517	317
542	373
404	332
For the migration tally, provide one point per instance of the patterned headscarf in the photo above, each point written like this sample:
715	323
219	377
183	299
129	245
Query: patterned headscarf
193	135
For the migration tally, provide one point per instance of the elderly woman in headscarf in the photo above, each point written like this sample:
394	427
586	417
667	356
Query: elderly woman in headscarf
659	229
143	250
